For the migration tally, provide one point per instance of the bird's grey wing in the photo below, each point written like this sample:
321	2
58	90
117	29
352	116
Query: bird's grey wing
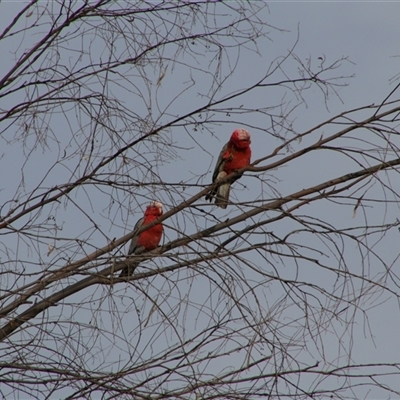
220	163
129	269
219	166
133	245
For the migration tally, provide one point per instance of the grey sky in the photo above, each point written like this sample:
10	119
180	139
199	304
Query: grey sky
368	34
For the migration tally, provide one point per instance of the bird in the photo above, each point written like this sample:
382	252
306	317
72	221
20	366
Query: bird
235	154
146	240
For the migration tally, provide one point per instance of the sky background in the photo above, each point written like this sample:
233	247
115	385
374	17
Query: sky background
367	34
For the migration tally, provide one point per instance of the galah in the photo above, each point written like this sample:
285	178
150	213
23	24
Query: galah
148	239
235	154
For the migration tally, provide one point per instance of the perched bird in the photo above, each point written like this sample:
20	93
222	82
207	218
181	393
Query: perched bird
235	154
148	239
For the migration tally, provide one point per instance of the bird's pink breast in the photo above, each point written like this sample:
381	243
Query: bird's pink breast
150	239
238	158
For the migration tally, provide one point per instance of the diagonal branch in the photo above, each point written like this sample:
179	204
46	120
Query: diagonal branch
39	307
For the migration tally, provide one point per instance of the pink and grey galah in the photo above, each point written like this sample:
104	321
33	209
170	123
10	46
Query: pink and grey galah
235	154
148	239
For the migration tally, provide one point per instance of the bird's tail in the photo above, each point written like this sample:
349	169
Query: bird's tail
128	270
210	195
222	197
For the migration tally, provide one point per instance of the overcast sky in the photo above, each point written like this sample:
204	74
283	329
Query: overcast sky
368	34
